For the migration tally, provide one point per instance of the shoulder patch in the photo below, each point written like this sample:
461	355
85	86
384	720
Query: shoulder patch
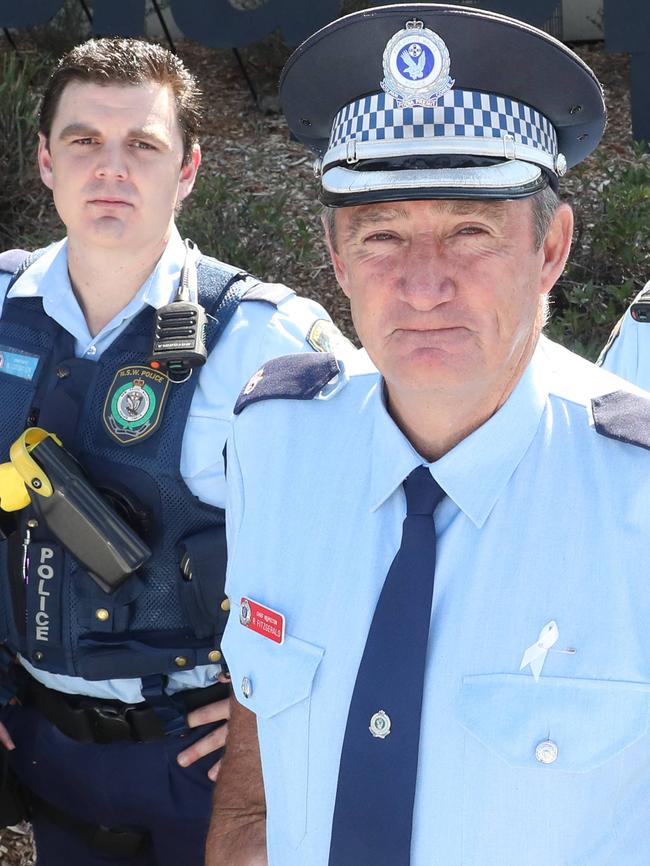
623	416
324	336
11	260
289	377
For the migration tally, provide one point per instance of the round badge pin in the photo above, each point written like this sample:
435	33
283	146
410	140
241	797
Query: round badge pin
380	724
416	66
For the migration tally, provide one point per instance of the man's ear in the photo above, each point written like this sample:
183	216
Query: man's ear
556	247
340	271
188	174
45	161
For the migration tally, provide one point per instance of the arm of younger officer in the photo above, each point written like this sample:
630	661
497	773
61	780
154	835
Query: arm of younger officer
238	829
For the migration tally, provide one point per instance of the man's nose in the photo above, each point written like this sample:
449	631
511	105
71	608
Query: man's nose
428	277
112	163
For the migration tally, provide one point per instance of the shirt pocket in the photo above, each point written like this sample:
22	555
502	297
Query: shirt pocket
275	682
557	725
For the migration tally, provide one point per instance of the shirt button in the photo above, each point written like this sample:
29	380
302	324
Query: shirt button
546	752
246	687
91	350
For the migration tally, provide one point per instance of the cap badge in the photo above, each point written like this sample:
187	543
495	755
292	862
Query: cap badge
416	66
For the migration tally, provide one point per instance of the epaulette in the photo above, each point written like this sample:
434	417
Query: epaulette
289	377
623	416
272	293
11	260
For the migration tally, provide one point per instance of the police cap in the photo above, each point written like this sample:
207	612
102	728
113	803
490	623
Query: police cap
421	100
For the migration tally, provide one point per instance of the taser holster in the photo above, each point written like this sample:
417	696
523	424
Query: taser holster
42	473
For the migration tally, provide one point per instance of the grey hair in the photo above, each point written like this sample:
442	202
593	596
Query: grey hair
544	203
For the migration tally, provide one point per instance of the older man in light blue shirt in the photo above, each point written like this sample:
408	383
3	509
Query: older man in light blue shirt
526	697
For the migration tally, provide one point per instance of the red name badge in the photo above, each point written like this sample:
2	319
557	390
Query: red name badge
269	623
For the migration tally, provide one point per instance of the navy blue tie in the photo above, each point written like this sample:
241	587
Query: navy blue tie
373	814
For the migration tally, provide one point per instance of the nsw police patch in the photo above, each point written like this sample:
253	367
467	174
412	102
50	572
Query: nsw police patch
324	336
134	403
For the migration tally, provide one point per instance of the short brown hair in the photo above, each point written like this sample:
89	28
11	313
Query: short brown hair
127	61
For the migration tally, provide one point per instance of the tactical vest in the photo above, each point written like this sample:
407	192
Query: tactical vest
167	616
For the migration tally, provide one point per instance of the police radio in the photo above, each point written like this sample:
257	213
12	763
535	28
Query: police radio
180	329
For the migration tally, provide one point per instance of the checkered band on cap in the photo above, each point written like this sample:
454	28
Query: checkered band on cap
459	114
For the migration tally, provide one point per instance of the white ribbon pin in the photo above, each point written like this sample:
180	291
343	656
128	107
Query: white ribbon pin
535	655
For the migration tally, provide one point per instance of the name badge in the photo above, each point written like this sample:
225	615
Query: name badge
14	362
266	622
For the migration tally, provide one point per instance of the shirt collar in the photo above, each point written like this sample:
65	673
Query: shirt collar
475	472
48	278
392	455
160	288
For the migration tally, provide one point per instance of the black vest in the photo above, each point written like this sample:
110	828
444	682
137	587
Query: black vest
163	618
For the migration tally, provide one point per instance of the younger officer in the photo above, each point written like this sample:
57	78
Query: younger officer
117	669
497	715
627	352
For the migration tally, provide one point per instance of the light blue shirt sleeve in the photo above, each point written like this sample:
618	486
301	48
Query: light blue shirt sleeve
5	279
628	350
257	332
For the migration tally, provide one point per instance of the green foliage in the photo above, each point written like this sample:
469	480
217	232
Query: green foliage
248	230
20	191
610	262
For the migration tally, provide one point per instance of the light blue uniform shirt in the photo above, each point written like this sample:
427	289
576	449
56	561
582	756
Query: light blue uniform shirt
544	521
257	331
628	351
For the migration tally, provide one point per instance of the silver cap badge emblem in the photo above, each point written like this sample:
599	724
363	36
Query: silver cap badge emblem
416	66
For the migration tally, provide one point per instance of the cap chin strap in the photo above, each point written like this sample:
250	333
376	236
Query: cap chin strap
506	148
511	179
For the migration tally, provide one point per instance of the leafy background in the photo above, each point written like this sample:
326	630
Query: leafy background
255	202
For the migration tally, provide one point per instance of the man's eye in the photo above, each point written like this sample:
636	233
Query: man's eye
143	145
84	141
381	236
471	230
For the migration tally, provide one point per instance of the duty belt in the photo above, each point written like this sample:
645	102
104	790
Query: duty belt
115	842
94	720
